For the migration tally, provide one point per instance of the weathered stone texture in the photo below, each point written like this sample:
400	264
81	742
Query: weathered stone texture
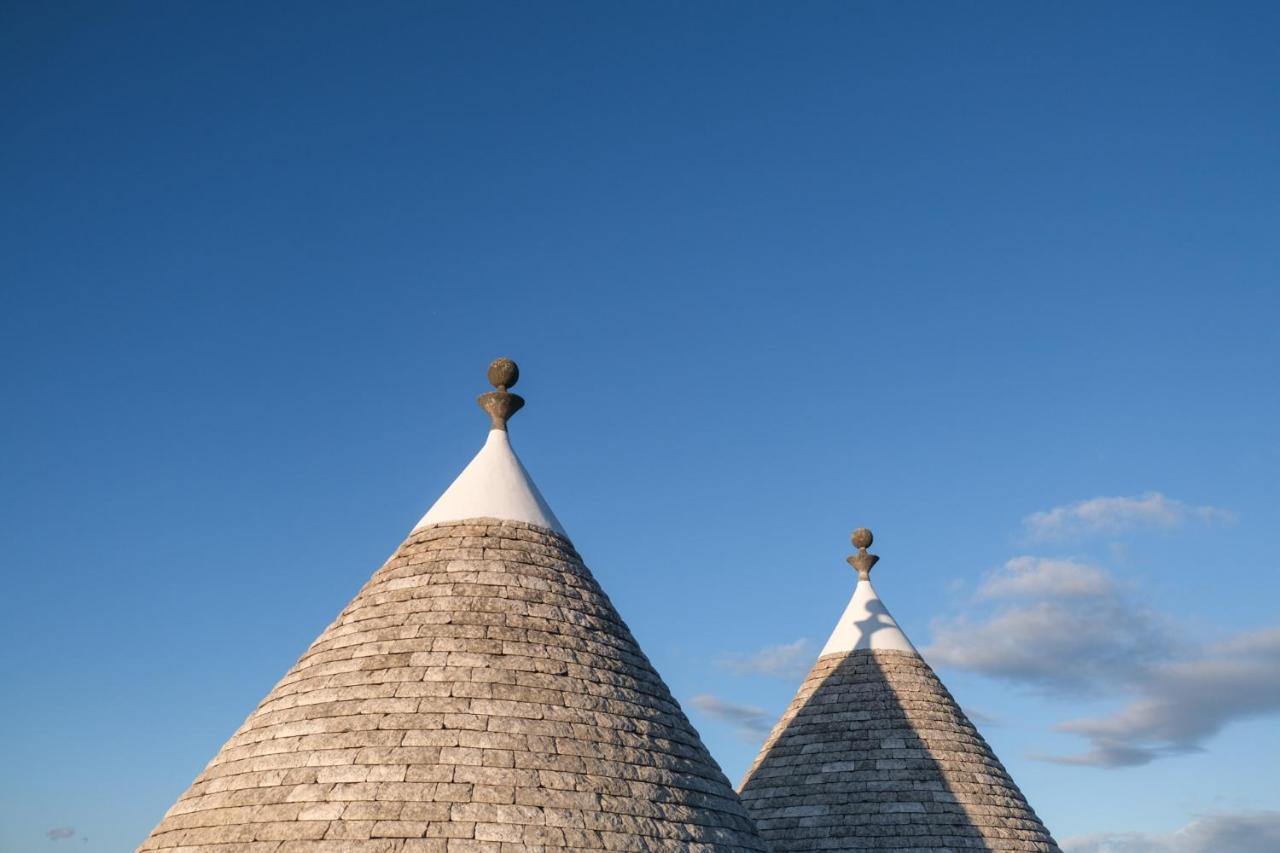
479	694
874	754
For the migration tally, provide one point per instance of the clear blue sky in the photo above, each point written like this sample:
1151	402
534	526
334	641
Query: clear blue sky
771	271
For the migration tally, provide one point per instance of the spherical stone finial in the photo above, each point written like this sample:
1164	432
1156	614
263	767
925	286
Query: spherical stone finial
862	561
501	404
503	374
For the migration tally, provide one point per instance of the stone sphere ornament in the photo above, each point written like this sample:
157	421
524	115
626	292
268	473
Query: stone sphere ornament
862	538
503	374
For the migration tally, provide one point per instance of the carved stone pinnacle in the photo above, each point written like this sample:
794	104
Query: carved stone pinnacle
862	561
500	404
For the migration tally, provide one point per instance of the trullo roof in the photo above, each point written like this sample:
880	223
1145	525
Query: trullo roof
479	695
874	754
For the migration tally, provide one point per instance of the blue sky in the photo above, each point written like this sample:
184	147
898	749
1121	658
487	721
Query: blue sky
771	272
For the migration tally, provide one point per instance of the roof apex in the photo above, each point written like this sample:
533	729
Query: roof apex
493	485
866	624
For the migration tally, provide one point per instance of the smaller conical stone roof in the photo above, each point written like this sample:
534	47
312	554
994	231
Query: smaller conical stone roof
873	753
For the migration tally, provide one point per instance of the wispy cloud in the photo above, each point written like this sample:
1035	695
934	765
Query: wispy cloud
1109	515
788	660
60	833
1181	704
981	718
1059	625
750	723
1241	832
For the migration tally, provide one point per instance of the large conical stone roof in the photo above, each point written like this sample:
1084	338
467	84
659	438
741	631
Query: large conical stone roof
874	754
480	693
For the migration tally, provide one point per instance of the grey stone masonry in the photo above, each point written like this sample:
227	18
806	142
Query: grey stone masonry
479	695
874	754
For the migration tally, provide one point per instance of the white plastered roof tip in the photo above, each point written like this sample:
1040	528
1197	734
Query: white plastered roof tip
866	624
493	485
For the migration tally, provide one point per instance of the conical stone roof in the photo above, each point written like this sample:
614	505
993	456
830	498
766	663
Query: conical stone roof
480	693
873	753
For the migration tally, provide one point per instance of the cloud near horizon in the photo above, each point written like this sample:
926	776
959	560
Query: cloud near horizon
1067	628
1183	703
1061	626
61	832
1109	515
1239	832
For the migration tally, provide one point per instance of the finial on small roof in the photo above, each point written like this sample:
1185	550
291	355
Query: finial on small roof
501	405
862	561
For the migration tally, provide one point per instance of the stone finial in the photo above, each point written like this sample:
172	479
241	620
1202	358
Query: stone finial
500	404
504	373
862	561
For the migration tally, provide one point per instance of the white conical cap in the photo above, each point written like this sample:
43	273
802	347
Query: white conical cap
493	485
866	624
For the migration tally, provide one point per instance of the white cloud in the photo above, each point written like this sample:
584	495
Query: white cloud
751	723
789	660
1103	515
1069	628
1241	832
59	833
1060	625
1030	577
1181	704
